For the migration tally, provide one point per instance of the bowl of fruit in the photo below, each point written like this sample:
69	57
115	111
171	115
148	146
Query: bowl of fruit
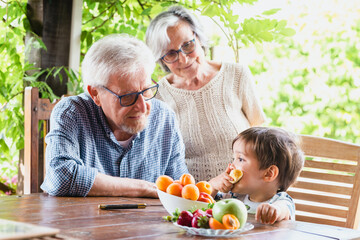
192	208
225	218
183	194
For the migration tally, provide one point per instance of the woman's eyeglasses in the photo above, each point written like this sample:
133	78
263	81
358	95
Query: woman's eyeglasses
173	55
129	99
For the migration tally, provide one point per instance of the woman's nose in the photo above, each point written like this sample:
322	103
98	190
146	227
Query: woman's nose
182	57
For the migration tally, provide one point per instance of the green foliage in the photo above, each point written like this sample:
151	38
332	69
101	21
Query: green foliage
318	93
11	71
133	17
13	77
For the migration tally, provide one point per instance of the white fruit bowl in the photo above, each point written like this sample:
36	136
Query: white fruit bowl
171	202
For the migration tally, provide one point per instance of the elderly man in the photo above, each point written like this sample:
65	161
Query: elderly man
116	139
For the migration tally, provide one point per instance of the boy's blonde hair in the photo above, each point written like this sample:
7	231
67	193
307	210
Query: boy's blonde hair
275	146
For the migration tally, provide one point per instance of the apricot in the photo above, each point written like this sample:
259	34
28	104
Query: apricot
230	221
191	192
163	181
186	179
174	189
204	187
215	224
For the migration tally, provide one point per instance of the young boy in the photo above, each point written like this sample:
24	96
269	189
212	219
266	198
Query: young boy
271	160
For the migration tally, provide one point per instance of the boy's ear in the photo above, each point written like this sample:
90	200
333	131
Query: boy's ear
271	173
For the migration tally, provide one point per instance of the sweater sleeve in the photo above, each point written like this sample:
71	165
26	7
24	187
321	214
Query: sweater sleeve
251	104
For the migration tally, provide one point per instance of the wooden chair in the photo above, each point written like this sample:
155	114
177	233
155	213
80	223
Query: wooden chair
328	188
36	109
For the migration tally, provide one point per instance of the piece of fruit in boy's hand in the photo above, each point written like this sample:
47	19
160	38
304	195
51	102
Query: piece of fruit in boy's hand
236	174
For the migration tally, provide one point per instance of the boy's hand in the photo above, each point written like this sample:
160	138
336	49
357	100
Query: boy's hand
222	182
267	213
270	213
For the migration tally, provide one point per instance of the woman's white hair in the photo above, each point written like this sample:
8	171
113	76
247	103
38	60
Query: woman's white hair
118	54
156	34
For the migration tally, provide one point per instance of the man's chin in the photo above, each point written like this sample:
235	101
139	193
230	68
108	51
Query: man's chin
135	128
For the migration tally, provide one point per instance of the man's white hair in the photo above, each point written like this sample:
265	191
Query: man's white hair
118	54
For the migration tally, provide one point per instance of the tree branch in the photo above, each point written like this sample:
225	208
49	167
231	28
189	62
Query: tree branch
102	24
106	9
6	103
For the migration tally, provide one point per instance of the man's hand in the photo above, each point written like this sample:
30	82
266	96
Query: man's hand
105	185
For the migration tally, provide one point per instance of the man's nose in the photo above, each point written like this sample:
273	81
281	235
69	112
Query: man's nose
140	103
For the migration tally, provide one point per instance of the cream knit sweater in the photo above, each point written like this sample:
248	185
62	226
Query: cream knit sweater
212	116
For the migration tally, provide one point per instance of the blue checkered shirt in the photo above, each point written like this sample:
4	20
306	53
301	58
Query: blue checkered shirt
80	144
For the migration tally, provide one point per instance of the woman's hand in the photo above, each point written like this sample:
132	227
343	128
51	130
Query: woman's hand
270	213
222	182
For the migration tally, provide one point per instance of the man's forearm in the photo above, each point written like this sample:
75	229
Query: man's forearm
106	185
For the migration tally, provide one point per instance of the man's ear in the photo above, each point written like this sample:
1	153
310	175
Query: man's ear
94	93
271	173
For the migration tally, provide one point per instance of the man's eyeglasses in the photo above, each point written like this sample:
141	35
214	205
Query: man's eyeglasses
129	99
173	55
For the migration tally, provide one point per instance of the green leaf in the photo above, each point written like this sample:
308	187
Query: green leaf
156	9
146	11
127	12
89	40
211	10
281	24
120	9
266	36
3	146
288	32
271	11
83	36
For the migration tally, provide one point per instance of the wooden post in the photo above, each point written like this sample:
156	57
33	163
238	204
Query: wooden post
56	37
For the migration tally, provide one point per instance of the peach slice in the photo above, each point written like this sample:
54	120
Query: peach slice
236	174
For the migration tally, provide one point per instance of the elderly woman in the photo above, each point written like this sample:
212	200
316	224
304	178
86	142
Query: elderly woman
213	101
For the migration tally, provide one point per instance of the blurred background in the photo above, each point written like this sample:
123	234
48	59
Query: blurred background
304	55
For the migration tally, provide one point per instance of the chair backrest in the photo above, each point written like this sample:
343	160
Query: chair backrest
328	188
36	109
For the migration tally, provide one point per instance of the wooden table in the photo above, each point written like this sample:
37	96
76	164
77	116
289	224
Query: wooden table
80	218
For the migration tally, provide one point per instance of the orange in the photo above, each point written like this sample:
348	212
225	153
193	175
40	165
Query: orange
230	221
174	189
204	187
191	192
186	179
215	224
163	182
